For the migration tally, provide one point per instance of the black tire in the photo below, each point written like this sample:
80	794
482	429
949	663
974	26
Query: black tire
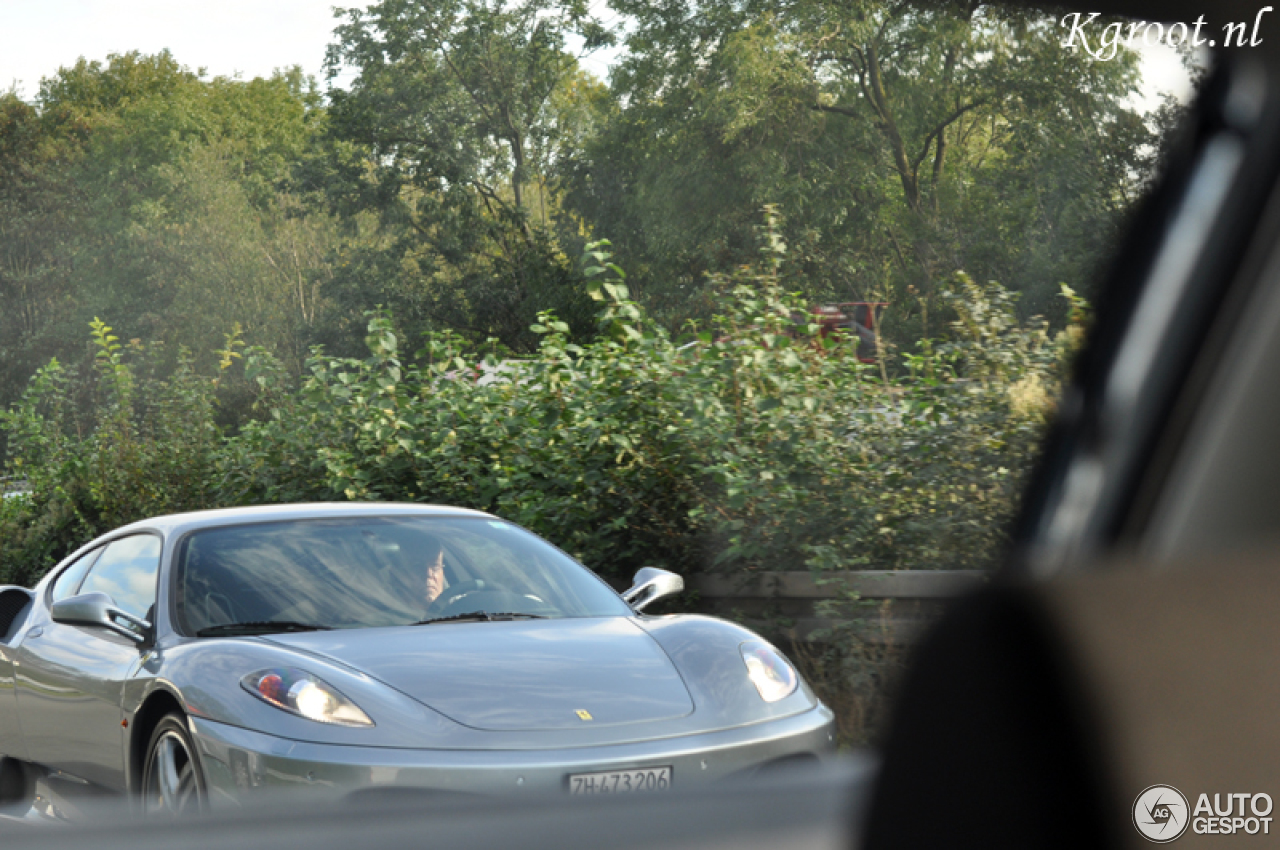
172	780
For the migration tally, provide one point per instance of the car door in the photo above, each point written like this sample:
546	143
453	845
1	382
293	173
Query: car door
70	678
67	580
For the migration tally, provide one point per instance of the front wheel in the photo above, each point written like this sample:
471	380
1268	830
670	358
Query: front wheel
172	783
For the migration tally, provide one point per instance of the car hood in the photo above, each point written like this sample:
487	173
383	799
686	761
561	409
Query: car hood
523	675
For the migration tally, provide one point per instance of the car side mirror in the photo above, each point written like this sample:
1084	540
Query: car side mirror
651	584
98	609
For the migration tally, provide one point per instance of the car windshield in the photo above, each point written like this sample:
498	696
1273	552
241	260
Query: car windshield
377	571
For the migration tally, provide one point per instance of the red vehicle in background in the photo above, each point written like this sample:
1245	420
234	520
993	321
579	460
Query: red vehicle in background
858	319
857	322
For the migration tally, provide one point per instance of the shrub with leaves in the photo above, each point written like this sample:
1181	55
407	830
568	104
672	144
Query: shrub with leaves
755	445
103	447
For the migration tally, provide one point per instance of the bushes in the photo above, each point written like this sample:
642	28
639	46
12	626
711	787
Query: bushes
756	446
102	448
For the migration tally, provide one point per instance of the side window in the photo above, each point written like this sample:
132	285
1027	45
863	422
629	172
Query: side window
127	573
65	585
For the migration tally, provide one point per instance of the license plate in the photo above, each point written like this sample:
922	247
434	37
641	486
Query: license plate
621	781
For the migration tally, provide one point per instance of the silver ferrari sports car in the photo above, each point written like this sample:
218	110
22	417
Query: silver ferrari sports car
190	660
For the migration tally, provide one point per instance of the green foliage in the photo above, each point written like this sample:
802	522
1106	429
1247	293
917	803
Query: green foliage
905	141
38	201
147	446
471	158
233	259
756	446
453	124
140	190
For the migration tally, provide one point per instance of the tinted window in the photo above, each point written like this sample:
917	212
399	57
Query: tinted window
364	572
65	585
127	573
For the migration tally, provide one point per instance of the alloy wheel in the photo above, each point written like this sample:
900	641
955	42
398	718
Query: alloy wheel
171	780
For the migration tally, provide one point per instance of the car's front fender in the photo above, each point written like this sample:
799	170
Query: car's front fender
706	652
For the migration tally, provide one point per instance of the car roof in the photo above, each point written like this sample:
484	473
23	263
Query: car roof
192	520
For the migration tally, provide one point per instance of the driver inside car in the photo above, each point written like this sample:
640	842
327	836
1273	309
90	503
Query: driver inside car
435	572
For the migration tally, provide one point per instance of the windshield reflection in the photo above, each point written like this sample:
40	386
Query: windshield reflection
374	572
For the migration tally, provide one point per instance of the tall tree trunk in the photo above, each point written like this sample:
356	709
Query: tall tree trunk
889	126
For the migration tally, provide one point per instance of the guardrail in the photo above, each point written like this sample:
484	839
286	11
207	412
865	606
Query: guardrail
894	605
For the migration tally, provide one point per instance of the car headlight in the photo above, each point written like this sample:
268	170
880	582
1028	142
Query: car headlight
773	677
305	695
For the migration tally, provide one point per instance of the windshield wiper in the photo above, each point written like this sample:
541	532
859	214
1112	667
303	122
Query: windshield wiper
261	627
480	617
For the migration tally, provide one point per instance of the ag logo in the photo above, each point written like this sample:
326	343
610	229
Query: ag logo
1160	813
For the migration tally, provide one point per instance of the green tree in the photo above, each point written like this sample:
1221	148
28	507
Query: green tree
40	204
902	141
175	204
232	260
144	444
455	110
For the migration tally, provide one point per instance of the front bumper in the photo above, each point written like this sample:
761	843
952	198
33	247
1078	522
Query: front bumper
237	762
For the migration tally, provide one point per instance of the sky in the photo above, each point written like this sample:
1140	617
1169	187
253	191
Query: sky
249	38
228	37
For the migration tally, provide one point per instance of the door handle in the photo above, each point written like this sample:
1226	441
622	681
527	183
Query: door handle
36	632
